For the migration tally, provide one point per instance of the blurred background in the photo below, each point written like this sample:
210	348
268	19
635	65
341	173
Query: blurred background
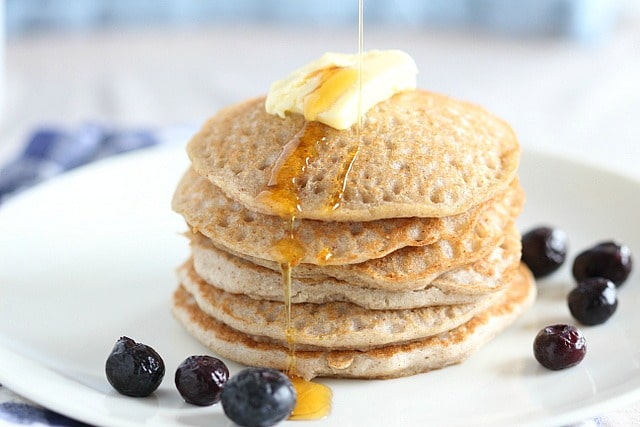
562	72
581	19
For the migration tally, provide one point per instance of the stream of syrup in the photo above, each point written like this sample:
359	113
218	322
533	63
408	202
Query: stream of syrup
282	196
336	197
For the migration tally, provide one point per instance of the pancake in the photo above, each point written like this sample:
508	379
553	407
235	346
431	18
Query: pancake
207	210
390	361
332	324
462	285
409	268
422	154
235	275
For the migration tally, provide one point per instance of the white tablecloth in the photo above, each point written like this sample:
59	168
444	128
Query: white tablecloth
581	101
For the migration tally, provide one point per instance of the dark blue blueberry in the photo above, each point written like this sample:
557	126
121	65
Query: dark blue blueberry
593	301
610	260
134	369
200	379
559	347
544	250
258	397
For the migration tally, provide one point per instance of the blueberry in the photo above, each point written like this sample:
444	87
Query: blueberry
593	301
258	397
544	250
134	369
610	260
559	347
200	379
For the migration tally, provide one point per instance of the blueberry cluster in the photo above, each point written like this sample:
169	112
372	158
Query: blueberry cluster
254	397
598	271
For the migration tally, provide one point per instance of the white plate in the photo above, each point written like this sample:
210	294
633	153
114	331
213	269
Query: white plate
90	256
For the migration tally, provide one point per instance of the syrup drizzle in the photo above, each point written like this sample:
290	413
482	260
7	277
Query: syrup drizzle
282	190
289	252
336	197
282	196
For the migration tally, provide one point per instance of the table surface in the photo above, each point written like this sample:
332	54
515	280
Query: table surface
579	101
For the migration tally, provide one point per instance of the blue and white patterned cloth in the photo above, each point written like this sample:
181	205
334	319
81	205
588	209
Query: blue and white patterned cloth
51	151
17	411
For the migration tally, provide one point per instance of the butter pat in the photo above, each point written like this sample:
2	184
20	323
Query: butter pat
327	89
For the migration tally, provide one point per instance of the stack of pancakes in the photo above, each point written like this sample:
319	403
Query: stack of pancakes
414	267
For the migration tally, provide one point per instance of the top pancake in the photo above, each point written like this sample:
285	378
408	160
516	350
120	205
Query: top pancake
422	154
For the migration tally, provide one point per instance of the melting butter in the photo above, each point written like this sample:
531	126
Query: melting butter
327	89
